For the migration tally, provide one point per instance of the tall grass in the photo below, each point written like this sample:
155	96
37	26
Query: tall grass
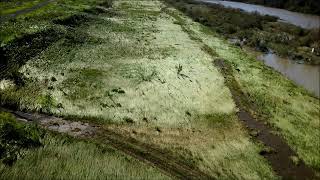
292	111
14	138
27	155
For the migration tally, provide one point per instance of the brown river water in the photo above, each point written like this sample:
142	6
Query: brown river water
307	76
303	75
306	21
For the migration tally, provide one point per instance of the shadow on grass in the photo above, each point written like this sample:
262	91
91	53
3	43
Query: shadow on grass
21	50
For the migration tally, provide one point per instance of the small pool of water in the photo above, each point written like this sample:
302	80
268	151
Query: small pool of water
299	19
307	76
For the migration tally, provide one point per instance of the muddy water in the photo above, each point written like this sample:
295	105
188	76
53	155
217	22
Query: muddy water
280	155
304	75
299	19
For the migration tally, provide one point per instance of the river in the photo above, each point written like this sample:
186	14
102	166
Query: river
303	75
306	21
307	76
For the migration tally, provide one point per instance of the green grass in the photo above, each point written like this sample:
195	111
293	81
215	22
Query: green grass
13	6
153	68
125	53
61	157
41	19
139	66
257	31
15	137
289	109
215	143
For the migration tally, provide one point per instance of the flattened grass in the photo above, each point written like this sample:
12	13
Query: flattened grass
41	19
139	67
137	54
217	144
291	110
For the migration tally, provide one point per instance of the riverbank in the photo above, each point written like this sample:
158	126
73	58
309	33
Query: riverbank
143	72
289	109
133	70
263	33
306	21
306	6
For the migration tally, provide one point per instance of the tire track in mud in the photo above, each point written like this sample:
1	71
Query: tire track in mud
25	11
280	155
161	159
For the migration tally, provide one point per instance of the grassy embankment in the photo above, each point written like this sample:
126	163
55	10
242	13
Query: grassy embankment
28	152
263	33
292	111
8	7
38	20
134	66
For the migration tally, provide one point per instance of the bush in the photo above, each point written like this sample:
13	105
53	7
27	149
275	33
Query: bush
15	137
260	32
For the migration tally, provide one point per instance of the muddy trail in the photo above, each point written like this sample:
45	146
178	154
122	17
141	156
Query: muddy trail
280	154
164	160
25	11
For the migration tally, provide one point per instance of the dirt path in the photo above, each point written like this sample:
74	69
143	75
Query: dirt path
24	11
280	155
154	156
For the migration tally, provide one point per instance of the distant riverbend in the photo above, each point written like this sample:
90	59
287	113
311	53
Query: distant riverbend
306	21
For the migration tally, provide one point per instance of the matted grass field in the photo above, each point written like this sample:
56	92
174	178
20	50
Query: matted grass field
140	68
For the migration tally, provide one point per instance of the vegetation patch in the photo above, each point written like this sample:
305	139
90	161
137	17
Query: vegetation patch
147	74
12	6
30	153
15	138
16	54
289	109
263	33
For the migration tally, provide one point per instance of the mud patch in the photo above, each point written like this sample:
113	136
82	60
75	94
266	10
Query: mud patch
155	156
277	151
75	129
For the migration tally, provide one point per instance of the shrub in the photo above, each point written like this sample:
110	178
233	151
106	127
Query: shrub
15	137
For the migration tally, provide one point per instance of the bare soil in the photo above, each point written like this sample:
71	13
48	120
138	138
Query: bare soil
278	153
152	155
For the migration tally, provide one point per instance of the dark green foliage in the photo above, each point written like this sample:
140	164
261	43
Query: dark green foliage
15	137
15	55
263	33
73	21
83	83
47	103
107	3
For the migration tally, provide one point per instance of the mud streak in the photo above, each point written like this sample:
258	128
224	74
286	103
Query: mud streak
279	156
